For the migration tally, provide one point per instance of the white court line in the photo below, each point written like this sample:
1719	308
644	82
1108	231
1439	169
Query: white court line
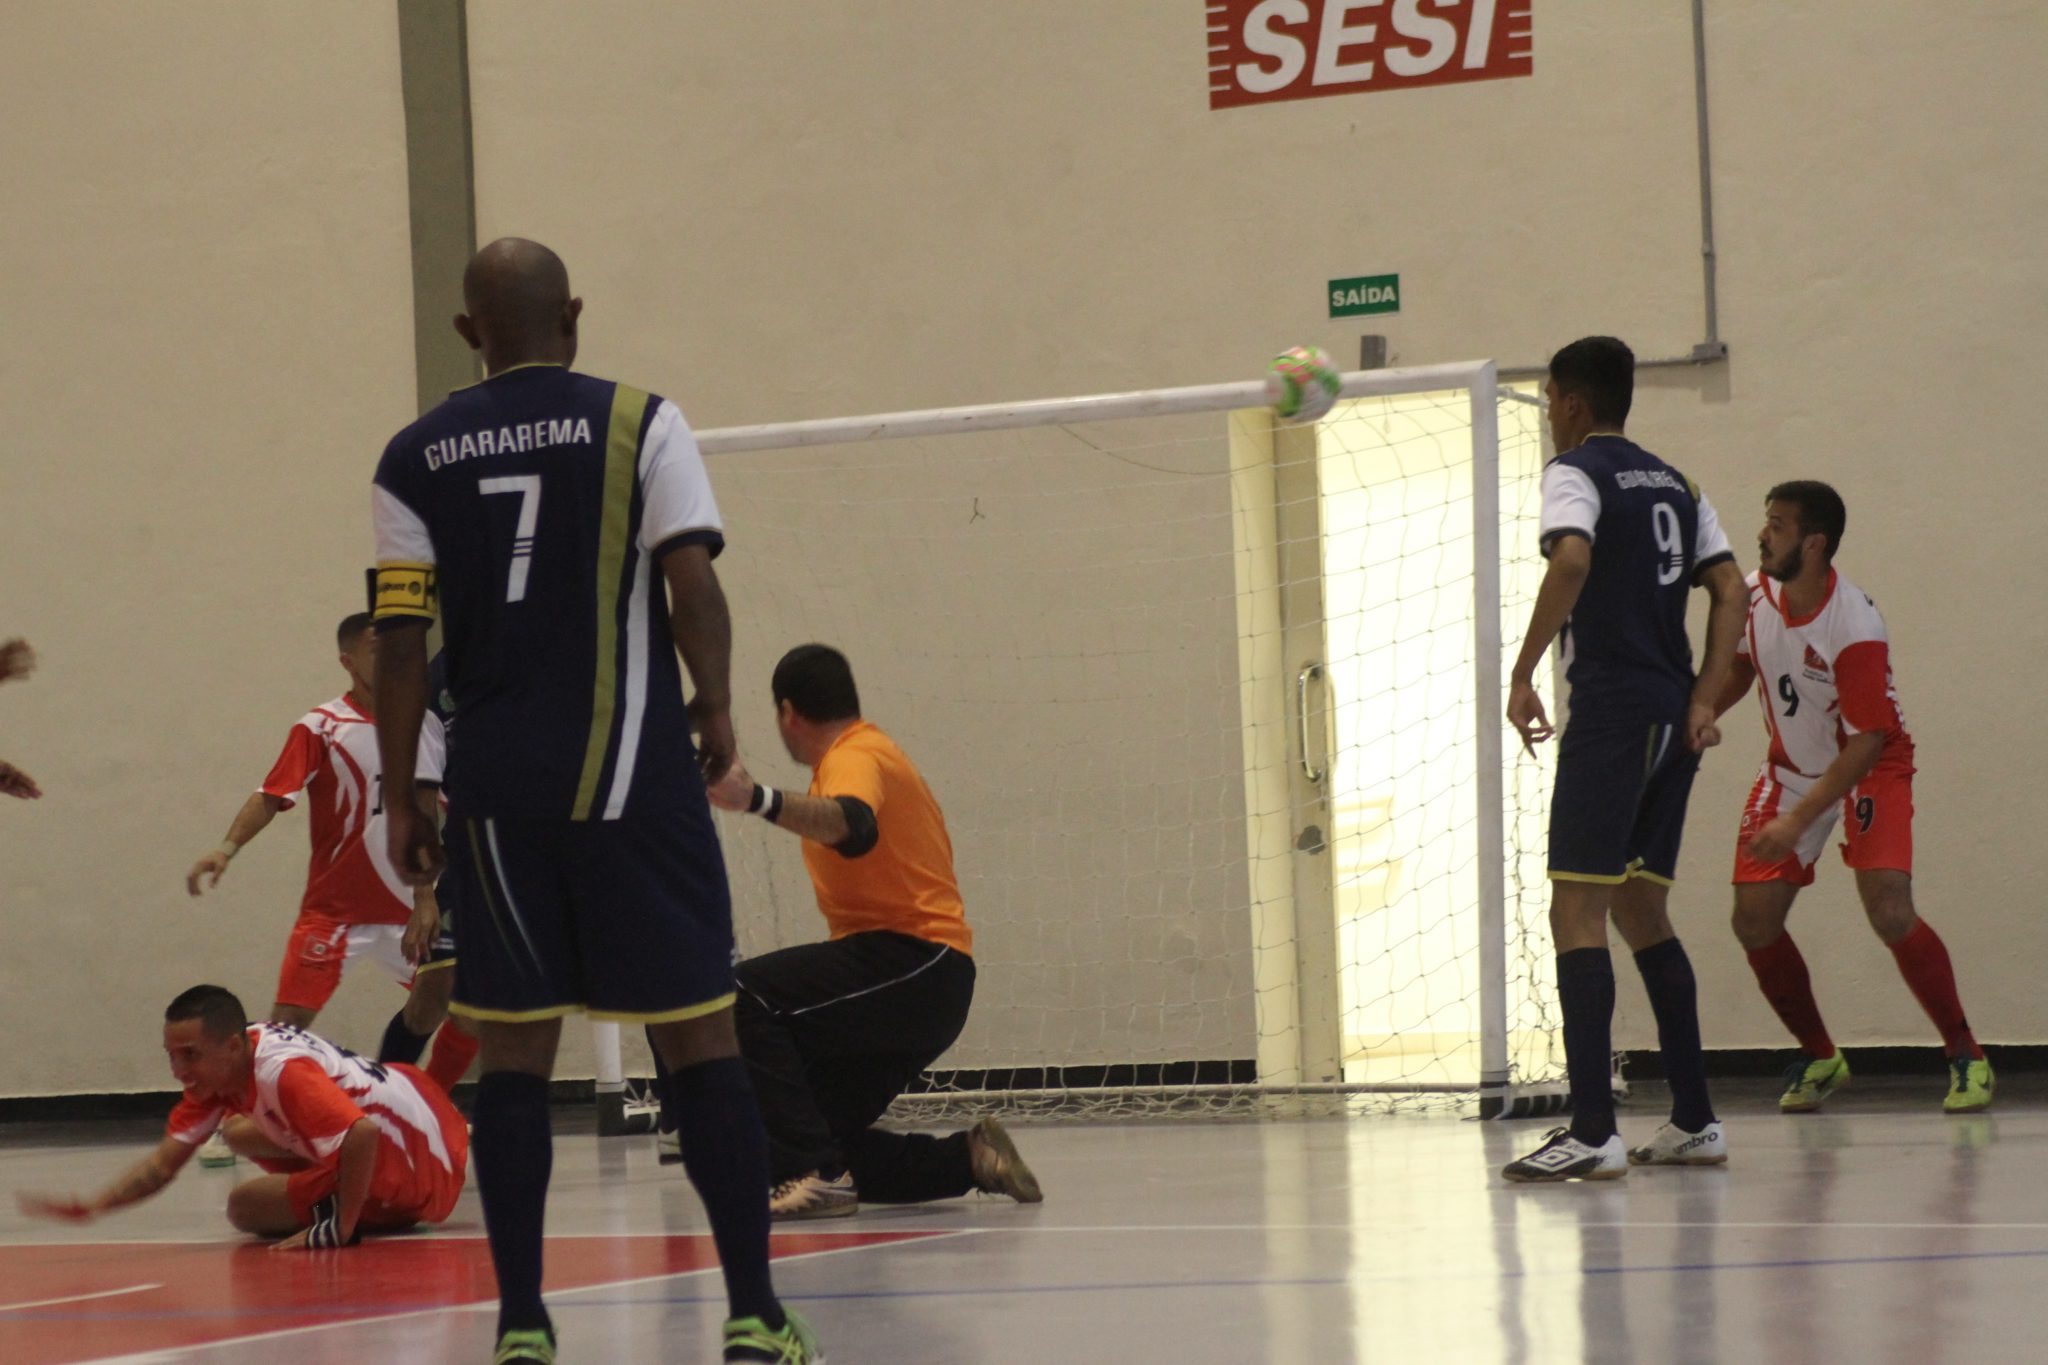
79	1298
157	1357
1490	1225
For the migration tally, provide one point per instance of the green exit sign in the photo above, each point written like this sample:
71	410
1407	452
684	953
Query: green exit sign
1365	294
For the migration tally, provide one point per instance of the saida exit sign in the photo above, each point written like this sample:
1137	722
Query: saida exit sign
1365	294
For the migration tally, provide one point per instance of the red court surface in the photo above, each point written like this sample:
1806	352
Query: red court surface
72	1302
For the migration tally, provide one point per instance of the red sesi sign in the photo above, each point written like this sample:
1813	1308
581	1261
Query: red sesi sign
1265	50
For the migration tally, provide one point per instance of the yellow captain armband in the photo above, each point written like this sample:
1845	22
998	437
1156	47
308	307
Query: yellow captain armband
403	590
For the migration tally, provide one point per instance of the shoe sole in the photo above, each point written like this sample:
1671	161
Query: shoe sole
1721	1160
1947	1108
1561	1179
1818	1100
846	1210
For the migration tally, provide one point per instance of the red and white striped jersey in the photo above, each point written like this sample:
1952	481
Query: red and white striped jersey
331	758
307	1093
1823	677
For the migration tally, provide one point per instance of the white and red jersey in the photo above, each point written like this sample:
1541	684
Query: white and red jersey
307	1093
1823	677
331	758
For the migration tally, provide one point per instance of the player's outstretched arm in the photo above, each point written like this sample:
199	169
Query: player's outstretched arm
415	844
254	816
136	1184
702	629
821	819
1725	619
1571	562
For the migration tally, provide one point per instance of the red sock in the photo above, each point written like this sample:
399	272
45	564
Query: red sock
454	1049
1781	971
1923	961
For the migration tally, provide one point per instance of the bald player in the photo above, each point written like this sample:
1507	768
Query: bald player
562	527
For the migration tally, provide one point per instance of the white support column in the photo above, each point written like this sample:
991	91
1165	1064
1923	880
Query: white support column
1490	699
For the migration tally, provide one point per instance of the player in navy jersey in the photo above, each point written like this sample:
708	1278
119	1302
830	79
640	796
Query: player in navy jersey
563	528
1628	537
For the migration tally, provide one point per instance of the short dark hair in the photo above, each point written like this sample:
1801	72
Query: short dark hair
215	1006
818	682
1601	370
1821	511
351	629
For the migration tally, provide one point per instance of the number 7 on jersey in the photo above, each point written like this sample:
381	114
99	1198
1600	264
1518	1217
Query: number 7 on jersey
527	486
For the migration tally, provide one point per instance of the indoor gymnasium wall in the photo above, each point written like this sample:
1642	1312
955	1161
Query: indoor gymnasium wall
788	212
807	211
207	341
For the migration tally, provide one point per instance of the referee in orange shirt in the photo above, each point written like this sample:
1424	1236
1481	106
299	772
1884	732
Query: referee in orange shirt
835	1031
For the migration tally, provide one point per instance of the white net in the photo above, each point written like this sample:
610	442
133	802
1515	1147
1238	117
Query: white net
1089	635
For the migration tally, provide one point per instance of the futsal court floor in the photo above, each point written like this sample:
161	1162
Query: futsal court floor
1878	1231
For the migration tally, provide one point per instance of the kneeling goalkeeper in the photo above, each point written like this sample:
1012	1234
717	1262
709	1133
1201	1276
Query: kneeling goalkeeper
835	1031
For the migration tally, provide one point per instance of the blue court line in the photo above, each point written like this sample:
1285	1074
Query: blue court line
581	1301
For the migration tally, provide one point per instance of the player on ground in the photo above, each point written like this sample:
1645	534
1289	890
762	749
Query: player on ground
17	660
351	1146
566	526
1817	650
355	905
1627	537
834	1031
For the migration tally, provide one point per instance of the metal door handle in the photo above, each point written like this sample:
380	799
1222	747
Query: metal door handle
1301	681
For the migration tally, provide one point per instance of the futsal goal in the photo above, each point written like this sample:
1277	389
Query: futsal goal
1213	706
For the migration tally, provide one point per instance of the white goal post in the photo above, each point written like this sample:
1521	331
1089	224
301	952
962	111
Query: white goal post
1309	1034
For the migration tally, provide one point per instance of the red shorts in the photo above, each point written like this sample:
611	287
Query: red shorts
1878	812
320	948
410	1184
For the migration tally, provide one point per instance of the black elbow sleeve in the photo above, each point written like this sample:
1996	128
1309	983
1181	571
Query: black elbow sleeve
861	830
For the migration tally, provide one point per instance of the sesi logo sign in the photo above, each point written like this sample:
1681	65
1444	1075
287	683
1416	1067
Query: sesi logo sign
1266	50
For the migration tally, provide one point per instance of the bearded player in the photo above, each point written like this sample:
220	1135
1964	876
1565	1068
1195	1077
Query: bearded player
1817	650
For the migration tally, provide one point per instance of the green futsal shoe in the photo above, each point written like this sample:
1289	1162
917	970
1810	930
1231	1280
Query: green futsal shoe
748	1339
1970	1083
531	1347
1811	1080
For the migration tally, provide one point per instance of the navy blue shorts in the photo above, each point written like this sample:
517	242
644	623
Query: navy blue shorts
1618	810
628	919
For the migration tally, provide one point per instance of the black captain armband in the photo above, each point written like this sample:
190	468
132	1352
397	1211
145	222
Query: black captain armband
861	830
767	803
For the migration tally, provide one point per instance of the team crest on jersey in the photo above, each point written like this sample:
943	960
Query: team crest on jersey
1816	668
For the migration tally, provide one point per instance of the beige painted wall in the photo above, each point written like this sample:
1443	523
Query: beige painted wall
802	211
788	211
207	342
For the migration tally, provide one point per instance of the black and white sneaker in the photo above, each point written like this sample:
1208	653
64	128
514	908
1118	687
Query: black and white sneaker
1673	1146
1564	1157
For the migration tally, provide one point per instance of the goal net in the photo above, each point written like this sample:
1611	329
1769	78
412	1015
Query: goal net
1213	708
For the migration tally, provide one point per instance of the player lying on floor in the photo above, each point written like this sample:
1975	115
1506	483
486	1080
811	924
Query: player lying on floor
352	1146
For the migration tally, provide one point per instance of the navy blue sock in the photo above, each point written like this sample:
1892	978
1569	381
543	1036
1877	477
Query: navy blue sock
1585	988
725	1151
401	1044
1674	998
513	1152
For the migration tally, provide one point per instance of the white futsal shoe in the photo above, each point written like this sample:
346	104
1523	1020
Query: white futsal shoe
1564	1157
1673	1146
216	1152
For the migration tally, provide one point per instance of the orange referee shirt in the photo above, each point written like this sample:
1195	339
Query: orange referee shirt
905	883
